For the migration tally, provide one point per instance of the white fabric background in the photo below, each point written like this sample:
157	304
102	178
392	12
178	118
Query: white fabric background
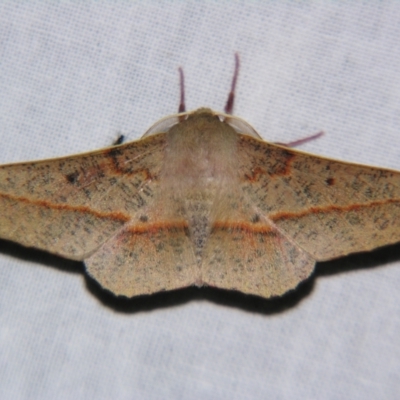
73	76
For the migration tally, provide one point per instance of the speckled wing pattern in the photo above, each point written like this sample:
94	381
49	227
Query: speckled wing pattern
328	208
303	209
199	204
70	206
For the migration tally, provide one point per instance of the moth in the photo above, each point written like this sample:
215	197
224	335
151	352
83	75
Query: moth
200	199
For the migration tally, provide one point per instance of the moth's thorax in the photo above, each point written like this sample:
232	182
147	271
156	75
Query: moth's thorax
201	152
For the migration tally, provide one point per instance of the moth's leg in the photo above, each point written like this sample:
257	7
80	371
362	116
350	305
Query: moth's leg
299	142
231	98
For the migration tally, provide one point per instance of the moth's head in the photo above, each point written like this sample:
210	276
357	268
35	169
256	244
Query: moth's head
238	124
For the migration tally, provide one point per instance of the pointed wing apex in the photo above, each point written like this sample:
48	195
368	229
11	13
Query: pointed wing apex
329	208
70	206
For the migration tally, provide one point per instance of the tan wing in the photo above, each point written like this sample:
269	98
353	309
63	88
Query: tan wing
146	259
70	206
244	252
328	208
254	258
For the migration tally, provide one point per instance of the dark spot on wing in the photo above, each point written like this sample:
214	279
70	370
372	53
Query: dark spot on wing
255	218
72	177
330	181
